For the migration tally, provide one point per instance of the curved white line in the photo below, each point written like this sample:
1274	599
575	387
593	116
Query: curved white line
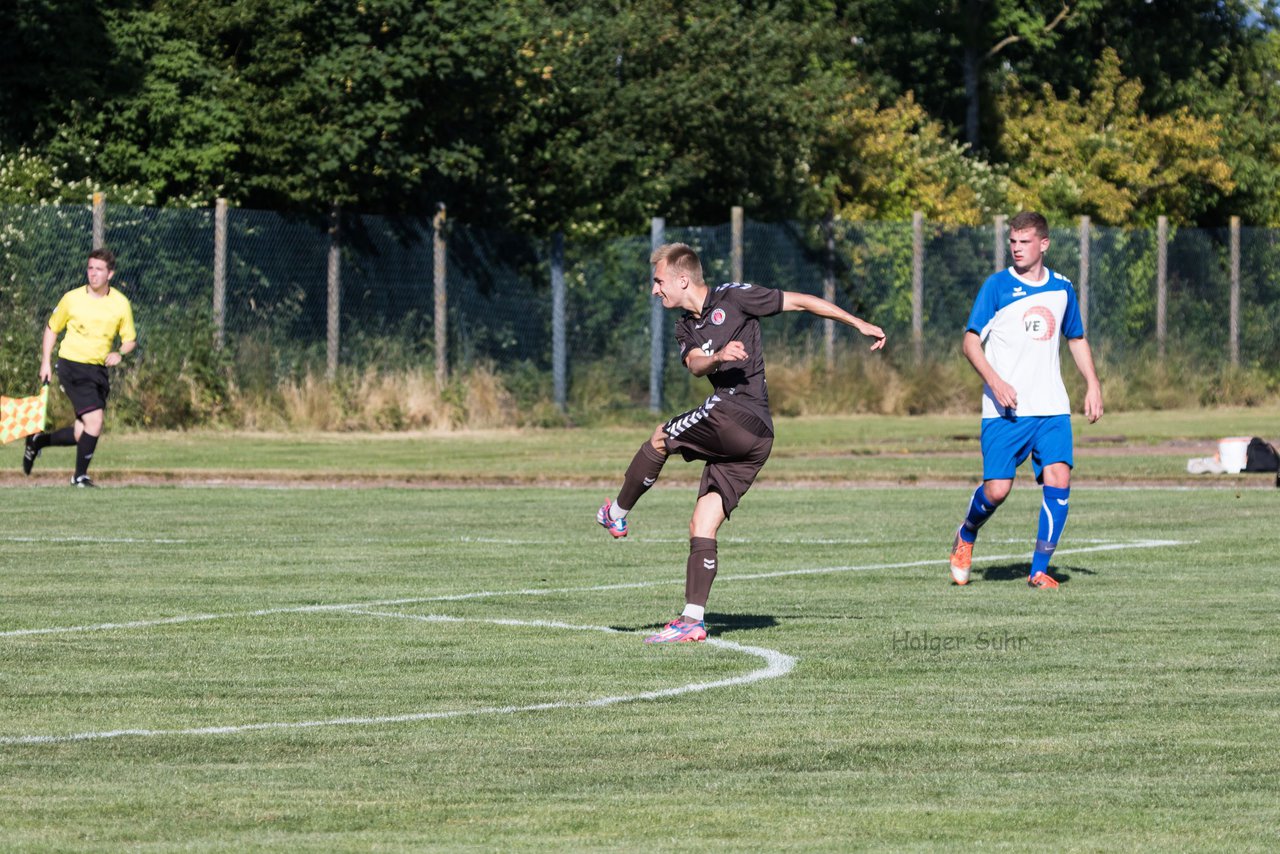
777	664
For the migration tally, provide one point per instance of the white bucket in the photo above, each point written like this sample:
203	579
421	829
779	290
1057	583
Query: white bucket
1233	453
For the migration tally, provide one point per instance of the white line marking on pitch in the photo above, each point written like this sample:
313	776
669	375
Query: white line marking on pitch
550	591
797	541
112	540
776	664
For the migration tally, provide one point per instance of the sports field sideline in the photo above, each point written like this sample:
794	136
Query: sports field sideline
359	642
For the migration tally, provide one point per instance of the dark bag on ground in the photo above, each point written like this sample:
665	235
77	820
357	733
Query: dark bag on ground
1261	456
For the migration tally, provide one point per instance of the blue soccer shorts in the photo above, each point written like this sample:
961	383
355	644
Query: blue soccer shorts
1007	442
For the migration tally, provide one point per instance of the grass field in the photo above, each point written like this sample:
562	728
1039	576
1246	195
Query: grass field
293	667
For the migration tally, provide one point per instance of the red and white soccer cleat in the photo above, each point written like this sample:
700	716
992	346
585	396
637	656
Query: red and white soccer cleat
678	631
616	527
961	559
1042	581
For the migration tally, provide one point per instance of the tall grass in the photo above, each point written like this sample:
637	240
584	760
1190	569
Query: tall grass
370	400
201	388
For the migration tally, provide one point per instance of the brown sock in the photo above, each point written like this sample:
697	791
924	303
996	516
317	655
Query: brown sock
700	571
645	467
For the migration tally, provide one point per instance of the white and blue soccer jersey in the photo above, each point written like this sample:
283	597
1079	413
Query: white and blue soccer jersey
1021	324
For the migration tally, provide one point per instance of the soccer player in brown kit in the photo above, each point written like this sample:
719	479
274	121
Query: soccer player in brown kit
732	431
93	316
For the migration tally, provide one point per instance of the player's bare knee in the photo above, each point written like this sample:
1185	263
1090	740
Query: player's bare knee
704	530
997	492
1057	475
91	423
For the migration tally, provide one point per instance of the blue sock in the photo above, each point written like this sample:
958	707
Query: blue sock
980	510
1053	517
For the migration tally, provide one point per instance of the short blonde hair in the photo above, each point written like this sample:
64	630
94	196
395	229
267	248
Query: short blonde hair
680	258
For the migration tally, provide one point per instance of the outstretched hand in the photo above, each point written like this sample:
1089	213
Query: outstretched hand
872	331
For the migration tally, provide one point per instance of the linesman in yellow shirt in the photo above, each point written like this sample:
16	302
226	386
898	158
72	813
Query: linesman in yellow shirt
94	316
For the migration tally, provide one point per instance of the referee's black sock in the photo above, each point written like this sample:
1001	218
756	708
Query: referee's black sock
84	452
65	436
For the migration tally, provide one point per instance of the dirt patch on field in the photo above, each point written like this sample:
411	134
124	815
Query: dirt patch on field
682	477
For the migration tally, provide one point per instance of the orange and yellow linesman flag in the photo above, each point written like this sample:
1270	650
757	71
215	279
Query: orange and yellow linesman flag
22	416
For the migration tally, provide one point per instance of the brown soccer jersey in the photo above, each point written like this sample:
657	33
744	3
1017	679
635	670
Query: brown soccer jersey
731	313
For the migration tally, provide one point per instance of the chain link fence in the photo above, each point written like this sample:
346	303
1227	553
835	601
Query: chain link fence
1186	294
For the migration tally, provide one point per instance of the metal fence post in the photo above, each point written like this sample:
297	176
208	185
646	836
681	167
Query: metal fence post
220	273
99	220
917	284
1082	285
335	297
559	358
441	307
735	243
657	236
829	291
998	256
1235	292
1162	282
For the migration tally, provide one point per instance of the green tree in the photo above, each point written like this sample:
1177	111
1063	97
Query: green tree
945	52
1101	155
531	114
52	52
1212	57
675	109
167	124
884	163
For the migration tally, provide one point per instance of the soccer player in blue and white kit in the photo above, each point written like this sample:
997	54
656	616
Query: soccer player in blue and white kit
1013	340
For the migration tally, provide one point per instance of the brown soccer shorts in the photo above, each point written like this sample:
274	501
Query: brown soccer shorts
733	442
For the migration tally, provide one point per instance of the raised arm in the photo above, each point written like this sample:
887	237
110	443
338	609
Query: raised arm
794	301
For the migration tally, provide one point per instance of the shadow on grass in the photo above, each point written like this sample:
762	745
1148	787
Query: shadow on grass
1020	571
724	623
717	624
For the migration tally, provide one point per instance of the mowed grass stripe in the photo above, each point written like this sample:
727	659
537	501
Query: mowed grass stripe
1130	710
776	665
599	588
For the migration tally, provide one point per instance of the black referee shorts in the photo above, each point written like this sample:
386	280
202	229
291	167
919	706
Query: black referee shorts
734	444
86	385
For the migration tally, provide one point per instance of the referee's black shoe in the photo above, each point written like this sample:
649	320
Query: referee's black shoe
29	453
83	481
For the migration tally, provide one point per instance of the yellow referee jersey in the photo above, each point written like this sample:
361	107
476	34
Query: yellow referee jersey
92	324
